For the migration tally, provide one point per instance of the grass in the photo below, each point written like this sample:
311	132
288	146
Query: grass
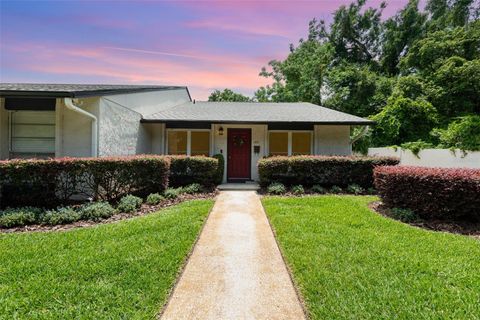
122	270
351	263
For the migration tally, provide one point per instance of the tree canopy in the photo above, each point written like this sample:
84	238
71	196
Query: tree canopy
416	73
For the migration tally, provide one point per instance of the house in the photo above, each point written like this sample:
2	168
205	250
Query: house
77	120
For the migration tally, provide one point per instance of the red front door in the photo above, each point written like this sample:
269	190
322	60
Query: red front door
239	154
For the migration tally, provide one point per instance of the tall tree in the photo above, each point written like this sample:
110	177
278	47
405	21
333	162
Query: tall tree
401	31
228	95
355	33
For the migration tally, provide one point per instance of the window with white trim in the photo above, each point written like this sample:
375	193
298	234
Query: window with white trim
32	134
288	143
188	142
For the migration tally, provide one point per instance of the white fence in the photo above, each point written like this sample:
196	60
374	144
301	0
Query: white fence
444	158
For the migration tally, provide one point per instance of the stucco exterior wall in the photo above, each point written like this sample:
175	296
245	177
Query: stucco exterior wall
157	137
259	137
74	130
147	103
120	131
332	140
3	130
443	158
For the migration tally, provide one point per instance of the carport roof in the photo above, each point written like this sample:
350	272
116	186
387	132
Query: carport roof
74	90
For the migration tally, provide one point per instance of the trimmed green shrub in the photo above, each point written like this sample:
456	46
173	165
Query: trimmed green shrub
154	199
355	189
318	189
171	193
371	191
276	188
186	170
96	211
63	215
432	193
50	183
192	188
129	203
322	170
298	190
335	189
220	167
17	217
405	215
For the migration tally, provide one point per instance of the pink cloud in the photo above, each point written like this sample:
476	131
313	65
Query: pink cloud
99	63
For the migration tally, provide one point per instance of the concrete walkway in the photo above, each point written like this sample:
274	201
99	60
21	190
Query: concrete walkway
236	270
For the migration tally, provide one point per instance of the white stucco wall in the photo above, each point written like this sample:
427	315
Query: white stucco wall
120	131
157	137
443	158
74	130
332	140
3	130
147	103
259	137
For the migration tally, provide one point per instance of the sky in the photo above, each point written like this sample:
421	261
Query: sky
205	45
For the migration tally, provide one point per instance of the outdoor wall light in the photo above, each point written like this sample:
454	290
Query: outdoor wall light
220	131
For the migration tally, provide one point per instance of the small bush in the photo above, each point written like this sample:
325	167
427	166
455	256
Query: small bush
276	188
17	217
155	198
298	190
405	215
318	189
220	167
186	170
336	189
432	193
96	211
322	170
192	188
371	191
355	189
171	193
129	203
63	215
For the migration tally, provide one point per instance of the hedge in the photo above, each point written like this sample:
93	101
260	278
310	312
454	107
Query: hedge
49	183
186	170
321	170
431	192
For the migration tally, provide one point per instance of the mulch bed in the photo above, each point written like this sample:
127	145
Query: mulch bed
467	228
144	210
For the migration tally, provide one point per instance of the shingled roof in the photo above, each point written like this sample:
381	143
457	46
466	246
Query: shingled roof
74	90
254	112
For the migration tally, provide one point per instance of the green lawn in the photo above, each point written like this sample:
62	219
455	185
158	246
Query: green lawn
114	271
351	263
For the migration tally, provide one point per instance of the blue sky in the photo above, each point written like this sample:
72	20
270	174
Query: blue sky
206	45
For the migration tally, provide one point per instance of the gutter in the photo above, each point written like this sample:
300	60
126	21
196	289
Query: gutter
70	105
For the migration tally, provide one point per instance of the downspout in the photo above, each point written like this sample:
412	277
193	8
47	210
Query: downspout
69	104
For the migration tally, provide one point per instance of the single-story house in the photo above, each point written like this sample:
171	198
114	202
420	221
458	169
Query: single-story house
78	120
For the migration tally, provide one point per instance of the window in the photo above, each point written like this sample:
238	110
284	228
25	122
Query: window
301	143
200	145
177	142
188	142
32	134
287	143
278	144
